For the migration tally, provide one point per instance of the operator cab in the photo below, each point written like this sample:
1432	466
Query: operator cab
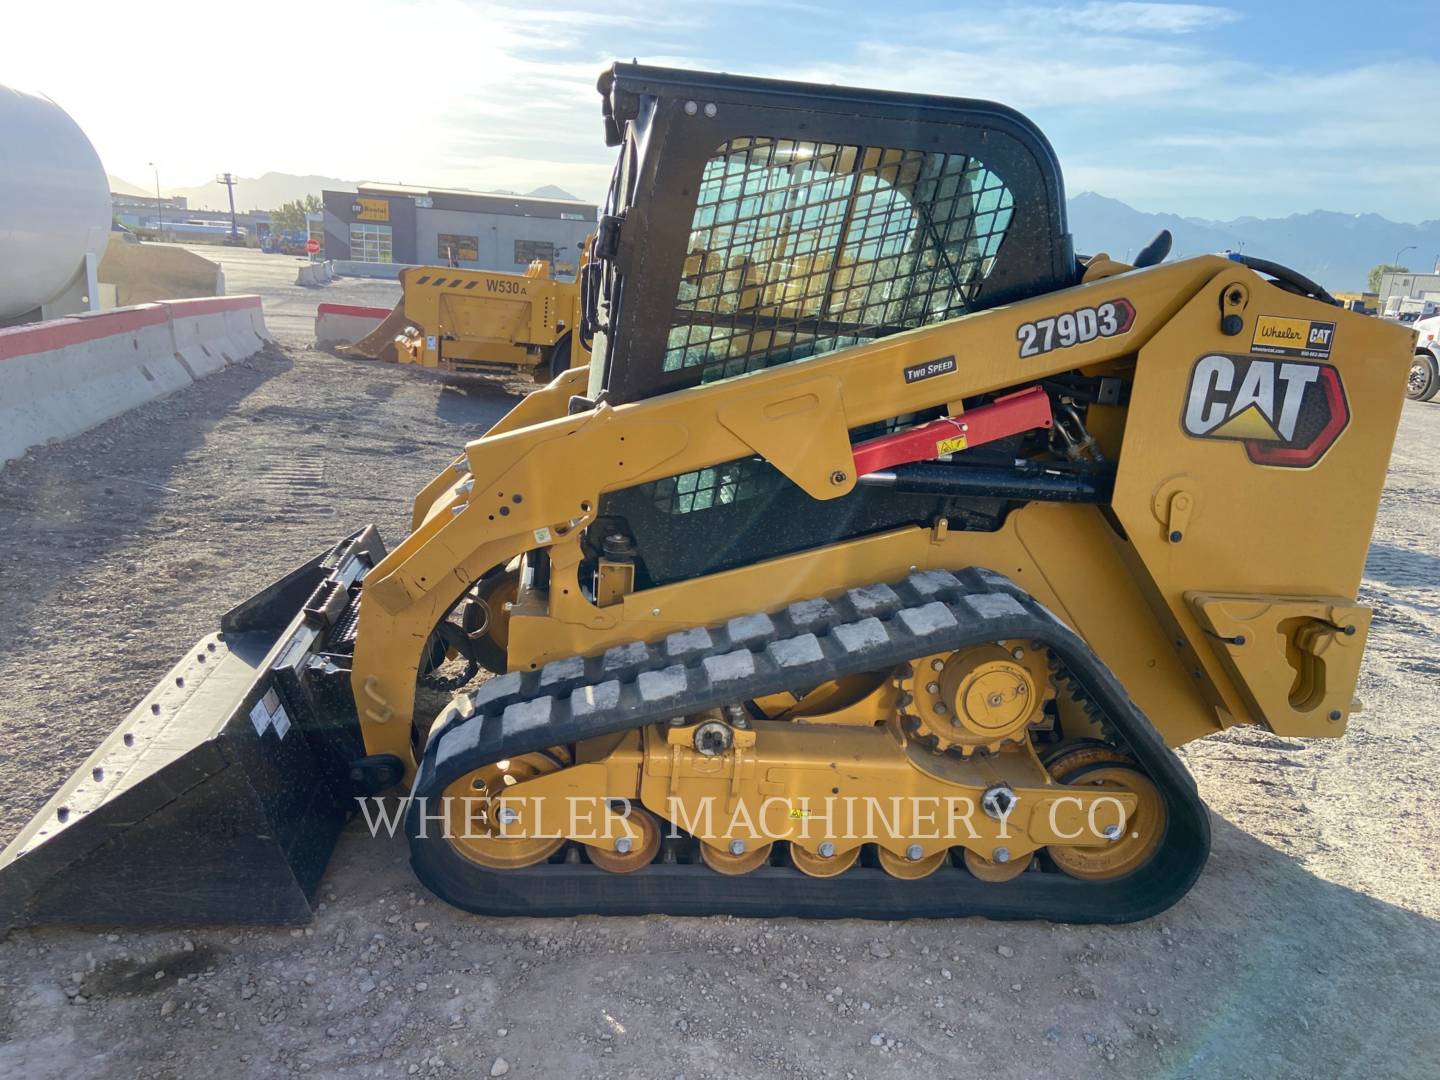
753	222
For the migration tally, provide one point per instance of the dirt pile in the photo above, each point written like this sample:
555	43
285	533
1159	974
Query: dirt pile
144	273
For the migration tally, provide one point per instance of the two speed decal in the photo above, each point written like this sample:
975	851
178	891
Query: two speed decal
1110	319
929	369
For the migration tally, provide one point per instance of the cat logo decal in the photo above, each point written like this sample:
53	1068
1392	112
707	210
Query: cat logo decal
1285	412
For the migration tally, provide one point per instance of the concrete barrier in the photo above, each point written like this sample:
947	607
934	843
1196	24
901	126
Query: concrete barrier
63	377
210	333
349	268
344	324
320	273
247	326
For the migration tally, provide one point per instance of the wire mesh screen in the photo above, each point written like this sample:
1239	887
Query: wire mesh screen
747	478
800	248
721	485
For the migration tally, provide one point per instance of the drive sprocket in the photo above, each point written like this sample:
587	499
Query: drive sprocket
976	699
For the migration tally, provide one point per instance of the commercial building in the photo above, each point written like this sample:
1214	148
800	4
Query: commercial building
1395	289
141	211
388	223
141	214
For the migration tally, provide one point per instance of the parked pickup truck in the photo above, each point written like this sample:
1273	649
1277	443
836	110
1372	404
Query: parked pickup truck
1425	370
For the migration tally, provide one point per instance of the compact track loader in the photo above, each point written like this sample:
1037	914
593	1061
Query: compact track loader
872	568
482	323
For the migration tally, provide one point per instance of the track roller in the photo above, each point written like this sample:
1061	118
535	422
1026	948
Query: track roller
633	849
820	865
736	860
987	870
908	869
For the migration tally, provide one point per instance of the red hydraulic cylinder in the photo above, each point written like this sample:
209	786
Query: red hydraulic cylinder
1023	410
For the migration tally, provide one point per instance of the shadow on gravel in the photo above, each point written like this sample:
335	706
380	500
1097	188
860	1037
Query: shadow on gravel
475	406
1401	566
67	504
127	977
1271	971
1315	979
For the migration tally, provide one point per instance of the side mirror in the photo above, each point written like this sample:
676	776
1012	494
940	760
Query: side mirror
1153	253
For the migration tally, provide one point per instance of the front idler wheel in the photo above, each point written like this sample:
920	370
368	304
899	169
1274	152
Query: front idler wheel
475	816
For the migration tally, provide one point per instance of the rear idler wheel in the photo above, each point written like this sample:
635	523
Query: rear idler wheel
1061	761
1132	844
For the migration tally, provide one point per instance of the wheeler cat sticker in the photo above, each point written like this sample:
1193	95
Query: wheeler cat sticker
1309	338
1286	413
1110	319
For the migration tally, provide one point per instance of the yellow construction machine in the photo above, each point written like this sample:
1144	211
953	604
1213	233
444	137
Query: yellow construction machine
482	322
872	568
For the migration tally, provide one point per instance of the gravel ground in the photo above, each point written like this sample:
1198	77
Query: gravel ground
1307	950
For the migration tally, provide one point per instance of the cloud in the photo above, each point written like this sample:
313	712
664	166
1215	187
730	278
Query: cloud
1147	107
1166	105
1036	56
1142	18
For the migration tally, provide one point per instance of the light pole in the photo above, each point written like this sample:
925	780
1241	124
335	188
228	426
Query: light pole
159	206
1395	268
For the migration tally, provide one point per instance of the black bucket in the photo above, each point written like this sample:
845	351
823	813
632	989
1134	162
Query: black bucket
221	796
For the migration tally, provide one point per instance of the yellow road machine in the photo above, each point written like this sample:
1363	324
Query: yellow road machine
483	322
873	566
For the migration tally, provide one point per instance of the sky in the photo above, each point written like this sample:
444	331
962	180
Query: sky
1206	110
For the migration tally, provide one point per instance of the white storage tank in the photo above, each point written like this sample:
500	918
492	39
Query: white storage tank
54	208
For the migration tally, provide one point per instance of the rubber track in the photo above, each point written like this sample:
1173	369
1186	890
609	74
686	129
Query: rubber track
804	644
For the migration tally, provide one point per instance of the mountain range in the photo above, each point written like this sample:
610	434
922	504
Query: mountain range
251	193
1334	249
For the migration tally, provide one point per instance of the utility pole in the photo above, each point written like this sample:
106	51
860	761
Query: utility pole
159	206
229	182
